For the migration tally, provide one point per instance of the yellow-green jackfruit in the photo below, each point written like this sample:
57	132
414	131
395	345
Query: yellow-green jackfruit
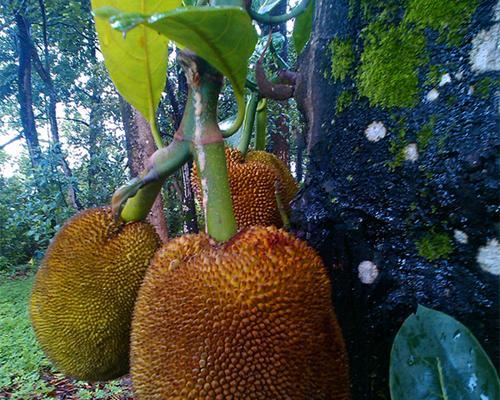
84	293
248	319
253	181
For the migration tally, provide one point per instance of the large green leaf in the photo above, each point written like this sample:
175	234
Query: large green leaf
137	62
435	357
224	36
303	27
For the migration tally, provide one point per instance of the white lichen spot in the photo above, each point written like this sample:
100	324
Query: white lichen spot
460	236
411	152
432	95
470	92
485	53
446	78
472	384
367	272
375	131
488	257
459	75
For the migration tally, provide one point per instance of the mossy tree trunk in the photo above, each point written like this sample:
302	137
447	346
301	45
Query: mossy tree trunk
401	196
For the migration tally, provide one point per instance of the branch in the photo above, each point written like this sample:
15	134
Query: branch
80	121
15	138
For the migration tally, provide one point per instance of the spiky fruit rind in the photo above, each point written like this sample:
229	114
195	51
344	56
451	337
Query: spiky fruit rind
249	319
288	185
252	180
84	292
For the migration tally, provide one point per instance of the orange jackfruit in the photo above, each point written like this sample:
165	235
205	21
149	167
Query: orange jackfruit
253	180
248	319
84	293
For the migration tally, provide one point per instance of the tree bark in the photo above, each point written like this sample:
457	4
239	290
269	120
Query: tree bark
43	70
399	198
25	95
140	146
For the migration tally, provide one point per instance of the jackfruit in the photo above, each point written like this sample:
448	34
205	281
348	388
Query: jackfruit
248	319
253	180
84	293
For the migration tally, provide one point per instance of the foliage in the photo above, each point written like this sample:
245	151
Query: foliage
436	357
303	27
223	36
20	356
137	61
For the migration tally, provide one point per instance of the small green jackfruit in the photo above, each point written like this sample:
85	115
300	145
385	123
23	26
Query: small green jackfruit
84	293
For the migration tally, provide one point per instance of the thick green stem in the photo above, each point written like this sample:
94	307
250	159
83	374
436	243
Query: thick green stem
279	19
249	122
133	201
207	145
155	133
261	125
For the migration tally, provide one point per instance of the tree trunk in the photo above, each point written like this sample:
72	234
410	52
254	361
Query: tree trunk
140	146
44	72
25	95
400	194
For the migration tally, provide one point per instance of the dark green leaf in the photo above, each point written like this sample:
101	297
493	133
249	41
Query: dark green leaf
303	27
224	36
137	62
434	357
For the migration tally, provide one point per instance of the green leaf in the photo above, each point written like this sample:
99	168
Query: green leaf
224	36
137	62
435	357
303	27
267	6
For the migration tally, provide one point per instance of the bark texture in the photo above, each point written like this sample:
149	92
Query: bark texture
401	196
25	94
140	146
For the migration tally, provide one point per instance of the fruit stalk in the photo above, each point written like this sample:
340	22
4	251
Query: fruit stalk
261	125
207	145
249	122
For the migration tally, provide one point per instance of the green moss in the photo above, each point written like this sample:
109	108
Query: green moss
344	100
433	77
425	134
342	58
388	74
397	149
448	17
434	245
485	86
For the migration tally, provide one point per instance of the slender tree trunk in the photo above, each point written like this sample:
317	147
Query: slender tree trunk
25	95
44	72
401	188
140	146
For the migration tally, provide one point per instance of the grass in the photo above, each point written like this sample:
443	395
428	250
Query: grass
25	373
